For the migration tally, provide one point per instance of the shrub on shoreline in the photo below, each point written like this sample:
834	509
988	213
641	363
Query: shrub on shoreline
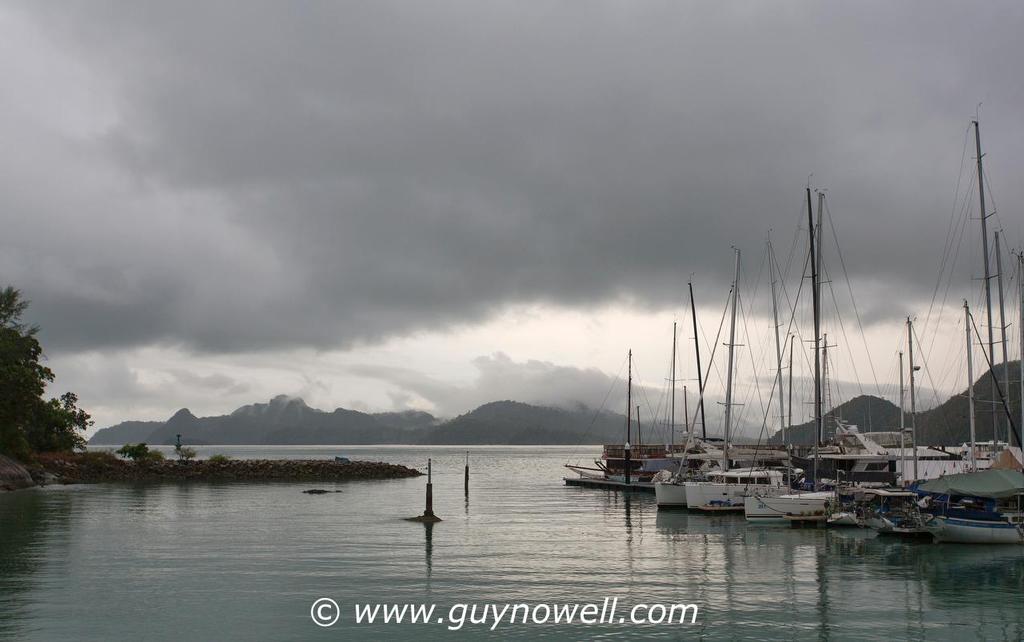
140	452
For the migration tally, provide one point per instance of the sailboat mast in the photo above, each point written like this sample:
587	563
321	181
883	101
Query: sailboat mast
778	345
700	375
789	422
1020	325
639	438
629	410
672	418
984	253
970	384
913	398
903	428
732	345
1002	330
817	330
686	412
826	396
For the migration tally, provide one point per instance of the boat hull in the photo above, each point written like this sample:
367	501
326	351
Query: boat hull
715	496
776	509
973	531
844	518
670	496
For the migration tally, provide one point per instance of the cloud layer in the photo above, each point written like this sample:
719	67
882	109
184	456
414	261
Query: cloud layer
249	175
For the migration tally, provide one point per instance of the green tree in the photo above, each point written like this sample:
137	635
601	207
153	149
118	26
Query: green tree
28	423
184	453
139	452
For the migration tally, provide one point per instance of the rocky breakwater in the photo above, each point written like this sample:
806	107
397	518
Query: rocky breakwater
105	467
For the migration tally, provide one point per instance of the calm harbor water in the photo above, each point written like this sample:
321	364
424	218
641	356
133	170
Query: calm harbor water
246	561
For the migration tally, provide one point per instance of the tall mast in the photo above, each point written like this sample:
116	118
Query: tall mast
686	412
789	422
629	410
672	426
778	346
1020	326
818	231
903	429
700	375
817	329
732	345
826	396
1002	329
639	439
988	274
913	398
970	384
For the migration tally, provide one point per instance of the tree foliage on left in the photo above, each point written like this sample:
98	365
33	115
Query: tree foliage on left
30	423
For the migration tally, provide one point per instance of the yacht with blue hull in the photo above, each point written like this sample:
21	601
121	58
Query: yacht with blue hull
984	507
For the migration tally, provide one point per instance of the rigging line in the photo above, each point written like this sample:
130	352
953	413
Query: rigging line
793	307
711	361
740	304
950	227
753	365
797	235
762	433
792	325
992	198
928	373
666	394
999	389
792	328
791	304
964	220
842	328
853	300
715	345
760	273
657	428
643	388
597	412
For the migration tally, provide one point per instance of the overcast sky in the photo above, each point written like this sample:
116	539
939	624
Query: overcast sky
434	204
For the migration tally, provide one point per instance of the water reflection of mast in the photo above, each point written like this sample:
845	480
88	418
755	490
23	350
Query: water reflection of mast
820	572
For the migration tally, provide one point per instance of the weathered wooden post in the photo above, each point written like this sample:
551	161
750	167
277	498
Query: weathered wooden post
466	479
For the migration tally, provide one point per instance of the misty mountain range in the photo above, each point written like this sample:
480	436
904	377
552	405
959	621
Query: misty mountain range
288	420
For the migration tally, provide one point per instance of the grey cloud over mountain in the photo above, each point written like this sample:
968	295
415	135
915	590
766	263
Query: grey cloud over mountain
237	176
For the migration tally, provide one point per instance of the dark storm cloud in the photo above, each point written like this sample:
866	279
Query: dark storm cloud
289	174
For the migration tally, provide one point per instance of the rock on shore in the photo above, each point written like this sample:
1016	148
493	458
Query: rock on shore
13	475
104	467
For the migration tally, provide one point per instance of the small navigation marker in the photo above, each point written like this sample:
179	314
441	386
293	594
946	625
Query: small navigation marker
466	480
428	516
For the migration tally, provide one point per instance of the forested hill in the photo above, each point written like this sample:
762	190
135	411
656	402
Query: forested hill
944	425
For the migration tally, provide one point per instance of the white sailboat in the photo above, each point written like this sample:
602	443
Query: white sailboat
776	507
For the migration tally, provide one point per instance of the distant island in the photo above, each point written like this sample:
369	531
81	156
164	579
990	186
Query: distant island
288	420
